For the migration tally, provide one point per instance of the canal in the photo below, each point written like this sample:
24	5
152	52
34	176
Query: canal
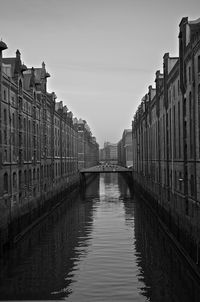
103	246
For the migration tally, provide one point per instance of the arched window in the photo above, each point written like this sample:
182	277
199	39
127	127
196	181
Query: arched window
5	182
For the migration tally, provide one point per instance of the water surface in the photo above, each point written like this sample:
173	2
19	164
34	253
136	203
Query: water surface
103	246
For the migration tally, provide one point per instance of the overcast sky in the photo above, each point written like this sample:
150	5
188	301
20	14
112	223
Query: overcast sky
102	54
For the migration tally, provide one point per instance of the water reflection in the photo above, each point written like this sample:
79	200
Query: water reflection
104	247
45	262
166	275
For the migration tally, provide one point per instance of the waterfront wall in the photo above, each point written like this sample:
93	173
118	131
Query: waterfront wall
166	140
39	146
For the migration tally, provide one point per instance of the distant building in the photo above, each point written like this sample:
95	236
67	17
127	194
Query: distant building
88	148
102	155
109	153
125	149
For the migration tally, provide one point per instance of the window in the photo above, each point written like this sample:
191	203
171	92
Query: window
5	155
4	95
5	117
13	120
13	100
5	182
5	137
14	180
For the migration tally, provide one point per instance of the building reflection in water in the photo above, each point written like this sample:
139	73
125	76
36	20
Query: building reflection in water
46	264
42	265
166	275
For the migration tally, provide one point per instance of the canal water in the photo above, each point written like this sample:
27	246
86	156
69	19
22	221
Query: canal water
102	246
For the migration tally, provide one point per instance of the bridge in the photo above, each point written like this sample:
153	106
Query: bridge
108	168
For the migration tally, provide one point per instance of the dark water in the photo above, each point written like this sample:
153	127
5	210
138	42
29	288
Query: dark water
103	247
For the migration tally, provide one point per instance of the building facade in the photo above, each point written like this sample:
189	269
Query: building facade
109	153
38	146
125	149
166	140
88	148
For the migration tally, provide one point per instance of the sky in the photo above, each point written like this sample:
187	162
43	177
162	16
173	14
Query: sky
101	54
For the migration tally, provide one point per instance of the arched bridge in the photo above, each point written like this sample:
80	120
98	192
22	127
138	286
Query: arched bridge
106	169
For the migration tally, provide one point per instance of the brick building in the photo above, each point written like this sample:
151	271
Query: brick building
88	148
125	149
38	145
109	153
166	140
